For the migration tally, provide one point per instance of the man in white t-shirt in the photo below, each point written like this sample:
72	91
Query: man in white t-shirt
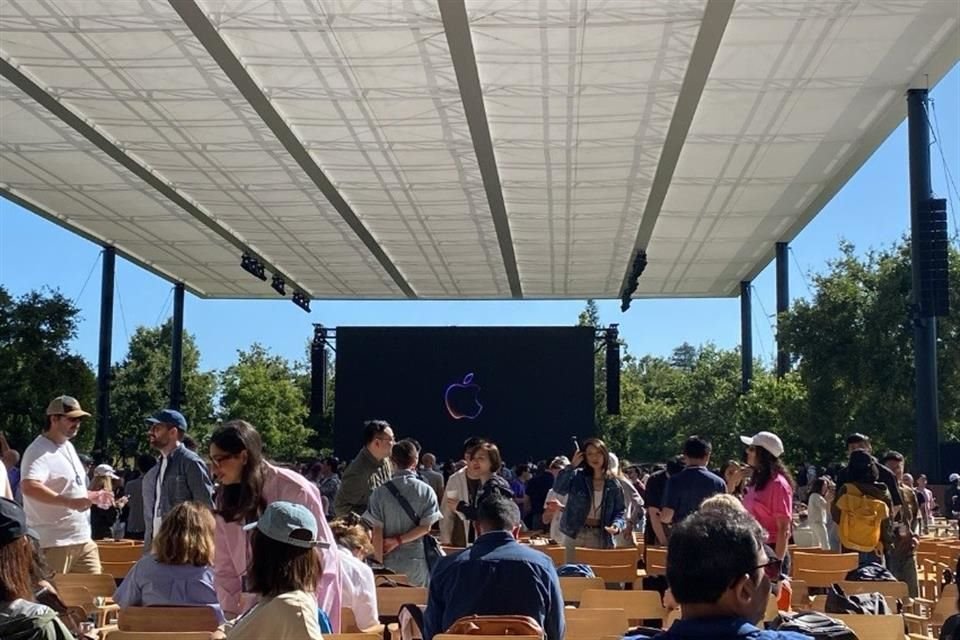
54	488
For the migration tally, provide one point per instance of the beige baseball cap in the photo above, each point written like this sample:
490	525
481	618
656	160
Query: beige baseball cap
66	406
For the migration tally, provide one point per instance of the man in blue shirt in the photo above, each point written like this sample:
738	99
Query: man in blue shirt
495	576
686	490
720	575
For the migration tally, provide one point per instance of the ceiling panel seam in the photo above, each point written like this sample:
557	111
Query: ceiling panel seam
716	15
456	26
208	36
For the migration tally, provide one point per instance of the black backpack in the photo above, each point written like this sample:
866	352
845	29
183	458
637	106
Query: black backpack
870	572
861	603
816	625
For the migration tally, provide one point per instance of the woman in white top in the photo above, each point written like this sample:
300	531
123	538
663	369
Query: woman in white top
635	514
358	589
818	512
284	567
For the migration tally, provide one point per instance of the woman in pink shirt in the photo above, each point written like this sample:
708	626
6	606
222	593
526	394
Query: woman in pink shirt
248	483
769	495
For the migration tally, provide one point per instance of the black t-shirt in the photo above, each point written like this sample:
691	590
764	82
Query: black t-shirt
656	485
686	490
537	490
886	477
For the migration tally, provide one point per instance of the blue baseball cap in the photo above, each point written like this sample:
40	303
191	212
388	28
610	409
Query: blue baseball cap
281	519
169	416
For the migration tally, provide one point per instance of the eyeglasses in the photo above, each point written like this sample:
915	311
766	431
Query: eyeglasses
218	460
69	419
772	569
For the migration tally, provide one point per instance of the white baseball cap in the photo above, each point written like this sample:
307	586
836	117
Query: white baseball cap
766	440
954	477
105	470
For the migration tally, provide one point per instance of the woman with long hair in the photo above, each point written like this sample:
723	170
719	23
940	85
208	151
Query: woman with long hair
594	513
248	483
17	614
283	573
177	571
818	512
769	493
359	585
735	475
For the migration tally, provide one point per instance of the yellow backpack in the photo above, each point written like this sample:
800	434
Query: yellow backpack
861	519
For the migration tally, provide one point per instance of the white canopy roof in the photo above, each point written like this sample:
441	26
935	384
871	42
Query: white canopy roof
453	148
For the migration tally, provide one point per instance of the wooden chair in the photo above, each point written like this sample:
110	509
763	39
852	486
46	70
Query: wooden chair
100	585
656	561
638	605
154	635
354	636
117	569
348	624
625	573
572	587
120	552
556	553
389	578
390	599
584	624
800	598
938	611
824	561
178	619
117	543
873	627
607	557
820	578
455	636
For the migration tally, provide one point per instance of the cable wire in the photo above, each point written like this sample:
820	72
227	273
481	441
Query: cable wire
770	325
123	316
803	276
935	130
85	282
163	309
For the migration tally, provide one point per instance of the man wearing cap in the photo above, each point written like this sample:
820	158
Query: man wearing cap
180	475
54	487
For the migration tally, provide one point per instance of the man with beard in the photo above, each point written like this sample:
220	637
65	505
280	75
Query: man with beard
180	476
54	488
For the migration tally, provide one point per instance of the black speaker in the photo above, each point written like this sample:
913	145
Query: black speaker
932	250
318	371
613	371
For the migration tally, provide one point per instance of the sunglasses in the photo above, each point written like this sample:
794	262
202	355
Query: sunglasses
69	419
772	569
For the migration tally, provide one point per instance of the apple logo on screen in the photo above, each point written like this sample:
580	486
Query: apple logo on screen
461	399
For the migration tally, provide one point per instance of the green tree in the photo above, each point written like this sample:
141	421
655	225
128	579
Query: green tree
853	344
36	365
141	386
265	390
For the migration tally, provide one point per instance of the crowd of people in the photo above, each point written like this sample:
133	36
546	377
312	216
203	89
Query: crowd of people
278	552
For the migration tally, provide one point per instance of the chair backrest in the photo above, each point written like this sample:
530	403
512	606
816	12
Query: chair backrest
572	587
556	553
873	627
117	569
772	611
638	605
820	578
891	589
591	623
656	559
120	552
116	634
168	619
352	636
824	561
616	573
348	621
607	557
390	599
801	593
74	595
118	543
100	584
455	636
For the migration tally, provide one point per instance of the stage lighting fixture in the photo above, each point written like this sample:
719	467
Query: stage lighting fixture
253	266
301	300
639	264
279	285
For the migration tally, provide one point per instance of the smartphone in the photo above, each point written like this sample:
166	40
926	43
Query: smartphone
576	444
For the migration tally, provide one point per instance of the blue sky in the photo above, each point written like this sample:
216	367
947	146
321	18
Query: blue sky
872	210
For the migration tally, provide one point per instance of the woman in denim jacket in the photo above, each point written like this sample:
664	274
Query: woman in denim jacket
594	513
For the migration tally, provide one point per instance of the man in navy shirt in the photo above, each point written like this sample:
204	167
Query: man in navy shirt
720	575
686	490
495	576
